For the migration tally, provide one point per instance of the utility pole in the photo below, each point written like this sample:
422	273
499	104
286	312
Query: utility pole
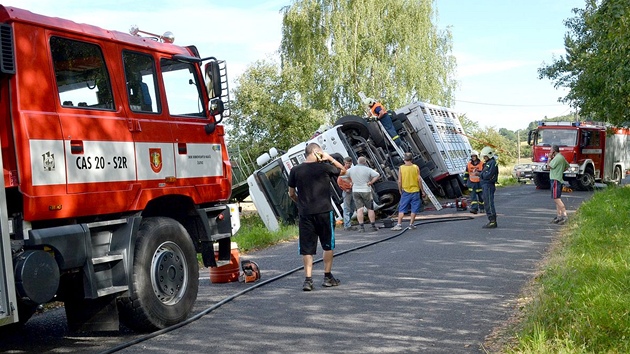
518	146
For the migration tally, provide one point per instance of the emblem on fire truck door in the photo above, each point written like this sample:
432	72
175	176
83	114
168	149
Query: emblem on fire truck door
48	161
155	156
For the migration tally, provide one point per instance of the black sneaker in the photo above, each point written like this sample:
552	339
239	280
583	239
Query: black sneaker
361	230
555	220
562	220
373	228
330	281
308	285
474	211
490	225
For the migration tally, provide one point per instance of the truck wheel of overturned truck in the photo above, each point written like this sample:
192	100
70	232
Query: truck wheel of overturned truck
354	126
376	135
541	180
389	195
165	276
617	176
448	189
456	186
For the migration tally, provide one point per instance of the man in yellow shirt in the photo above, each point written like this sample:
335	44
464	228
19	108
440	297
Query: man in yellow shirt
411	192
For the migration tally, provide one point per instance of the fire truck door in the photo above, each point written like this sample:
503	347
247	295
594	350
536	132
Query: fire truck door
8	312
151	128
594	149
97	142
198	154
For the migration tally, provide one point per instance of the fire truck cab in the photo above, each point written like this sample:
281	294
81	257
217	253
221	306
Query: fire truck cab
596	152
116	173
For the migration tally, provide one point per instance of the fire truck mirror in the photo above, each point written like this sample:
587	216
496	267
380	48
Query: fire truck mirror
213	76
215	106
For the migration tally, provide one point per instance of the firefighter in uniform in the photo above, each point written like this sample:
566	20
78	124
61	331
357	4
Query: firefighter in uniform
473	182
377	110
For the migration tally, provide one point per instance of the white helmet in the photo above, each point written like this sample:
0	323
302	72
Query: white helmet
487	151
474	153
369	101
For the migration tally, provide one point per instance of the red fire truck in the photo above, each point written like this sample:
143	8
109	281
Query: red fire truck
596	152
116	173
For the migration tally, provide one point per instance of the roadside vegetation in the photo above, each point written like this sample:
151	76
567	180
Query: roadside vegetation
580	302
254	235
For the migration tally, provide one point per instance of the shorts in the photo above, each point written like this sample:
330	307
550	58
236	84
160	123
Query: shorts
363	199
556	189
315	227
410	200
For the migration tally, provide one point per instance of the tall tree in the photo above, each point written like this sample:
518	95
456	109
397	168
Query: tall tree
267	111
596	67
388	49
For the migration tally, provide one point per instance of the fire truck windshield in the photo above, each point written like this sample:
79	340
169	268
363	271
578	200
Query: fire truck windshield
560	137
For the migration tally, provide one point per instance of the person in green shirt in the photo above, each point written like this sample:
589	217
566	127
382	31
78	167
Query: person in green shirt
557	165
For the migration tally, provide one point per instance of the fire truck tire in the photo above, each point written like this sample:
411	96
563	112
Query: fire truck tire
585	181
165	277
354	126
541	180
389	195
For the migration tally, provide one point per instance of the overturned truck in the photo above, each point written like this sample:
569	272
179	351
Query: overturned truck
433	134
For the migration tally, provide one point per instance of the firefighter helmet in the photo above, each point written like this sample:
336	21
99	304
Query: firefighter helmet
474	153
369	101
487	151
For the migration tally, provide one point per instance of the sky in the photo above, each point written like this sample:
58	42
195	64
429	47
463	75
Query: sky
498	44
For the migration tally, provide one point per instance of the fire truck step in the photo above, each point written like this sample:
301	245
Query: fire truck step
217	237
112	290
106	259
222	263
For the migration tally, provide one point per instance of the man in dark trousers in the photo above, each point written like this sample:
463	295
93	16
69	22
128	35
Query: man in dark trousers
489	177
309	187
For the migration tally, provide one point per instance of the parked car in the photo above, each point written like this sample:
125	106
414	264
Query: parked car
523	172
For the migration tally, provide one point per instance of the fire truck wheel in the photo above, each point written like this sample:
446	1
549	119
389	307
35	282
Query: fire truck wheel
165	276
585	181
389	195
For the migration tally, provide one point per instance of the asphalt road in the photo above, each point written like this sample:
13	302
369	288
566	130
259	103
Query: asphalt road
441	288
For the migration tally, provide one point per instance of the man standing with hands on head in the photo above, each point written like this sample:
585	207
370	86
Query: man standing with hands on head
309	188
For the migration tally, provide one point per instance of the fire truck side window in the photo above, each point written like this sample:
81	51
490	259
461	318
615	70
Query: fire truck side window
183	90
81	74
140	76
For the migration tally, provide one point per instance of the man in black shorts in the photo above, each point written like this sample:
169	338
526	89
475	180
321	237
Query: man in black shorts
309	187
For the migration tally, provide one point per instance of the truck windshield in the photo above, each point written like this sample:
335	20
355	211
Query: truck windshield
274	185
560	137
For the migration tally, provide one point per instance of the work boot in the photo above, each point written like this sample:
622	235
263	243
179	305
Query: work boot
490	225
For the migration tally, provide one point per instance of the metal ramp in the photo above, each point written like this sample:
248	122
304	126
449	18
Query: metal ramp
8	304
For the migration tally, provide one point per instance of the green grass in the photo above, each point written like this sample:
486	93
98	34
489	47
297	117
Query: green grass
253	234
581	301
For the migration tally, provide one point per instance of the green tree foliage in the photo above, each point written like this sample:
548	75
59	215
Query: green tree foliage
596	67
267	111
388	49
